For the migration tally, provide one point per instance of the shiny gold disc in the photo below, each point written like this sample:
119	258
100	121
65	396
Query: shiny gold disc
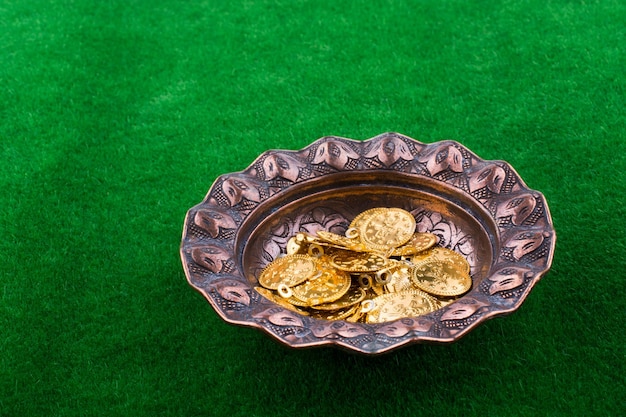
341	241
409	303
358	262
290	270
340	314
277	299
294	247
440	277
383	229
419	242
354	295
328	285
400	279
376	289
443	254
356	316
441	302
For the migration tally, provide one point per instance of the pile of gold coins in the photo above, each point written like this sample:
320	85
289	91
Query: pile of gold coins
379	271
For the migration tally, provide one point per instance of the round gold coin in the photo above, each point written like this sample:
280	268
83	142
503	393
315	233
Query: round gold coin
290	270
327	285
393	306
443	254
295	247
277	299
355	316
440	277
400	279
383	229
341	241
355	224
376	289
419	242
354	295
358	261
441	302
340	314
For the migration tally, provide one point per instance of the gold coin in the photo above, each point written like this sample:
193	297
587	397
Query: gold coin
356	316
377	289
341	241
441	302
355	224
383	229
340	314
327	285
443	254
419	242
288	296
345	313
424	255
441	277
400	279
294	247
304	238
354	295
409	303
300	243
358	262
277	299
290	270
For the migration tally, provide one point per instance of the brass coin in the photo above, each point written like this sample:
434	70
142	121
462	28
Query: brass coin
280	299
304	238
290	270
400	279
335	314
358	262
441	302
356	316
354	295
383	229
441	277
341	241
419	242
443	254
355	224
359	220
329	284
293	247
409	303
299	244
277	299
377	289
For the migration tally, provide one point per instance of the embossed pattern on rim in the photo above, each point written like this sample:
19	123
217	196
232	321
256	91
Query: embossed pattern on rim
510	245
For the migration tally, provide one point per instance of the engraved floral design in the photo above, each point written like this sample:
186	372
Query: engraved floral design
444	157
214	221
335	153
389	151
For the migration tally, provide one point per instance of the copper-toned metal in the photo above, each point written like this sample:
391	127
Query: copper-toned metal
480	209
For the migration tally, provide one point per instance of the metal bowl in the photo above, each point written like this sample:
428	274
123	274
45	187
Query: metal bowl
481	209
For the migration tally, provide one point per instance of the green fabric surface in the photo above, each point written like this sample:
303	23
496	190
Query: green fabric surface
117	116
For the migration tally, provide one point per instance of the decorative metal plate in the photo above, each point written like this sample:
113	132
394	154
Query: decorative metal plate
481	209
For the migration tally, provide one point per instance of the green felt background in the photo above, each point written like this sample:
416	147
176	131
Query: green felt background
117	116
